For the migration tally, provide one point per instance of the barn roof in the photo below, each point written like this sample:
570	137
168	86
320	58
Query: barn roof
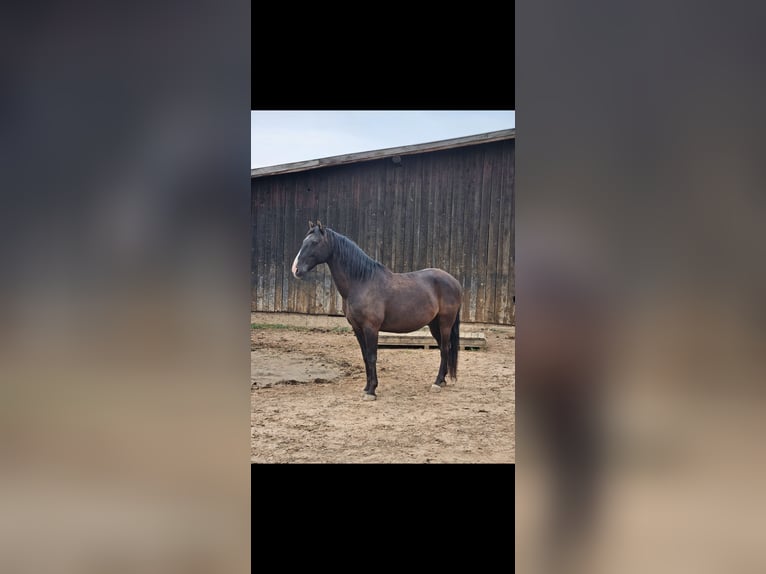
384	153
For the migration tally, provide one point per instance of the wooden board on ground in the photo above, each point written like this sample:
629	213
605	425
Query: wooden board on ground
426	341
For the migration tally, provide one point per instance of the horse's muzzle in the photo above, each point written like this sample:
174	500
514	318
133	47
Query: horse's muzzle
299	272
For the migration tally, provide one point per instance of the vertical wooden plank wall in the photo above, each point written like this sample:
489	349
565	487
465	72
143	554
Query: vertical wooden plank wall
452	209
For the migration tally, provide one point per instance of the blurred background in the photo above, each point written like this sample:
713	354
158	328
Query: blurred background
124	335
640	278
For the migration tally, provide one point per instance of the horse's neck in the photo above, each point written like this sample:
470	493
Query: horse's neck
340	276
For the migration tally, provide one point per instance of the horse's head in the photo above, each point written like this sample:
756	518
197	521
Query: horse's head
314	250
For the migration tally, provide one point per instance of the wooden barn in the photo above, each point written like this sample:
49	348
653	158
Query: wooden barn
446	204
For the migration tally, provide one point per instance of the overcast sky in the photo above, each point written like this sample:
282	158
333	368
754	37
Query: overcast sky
288	136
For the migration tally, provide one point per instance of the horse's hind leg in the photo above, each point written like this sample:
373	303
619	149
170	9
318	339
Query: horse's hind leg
434	327
436	333
442	335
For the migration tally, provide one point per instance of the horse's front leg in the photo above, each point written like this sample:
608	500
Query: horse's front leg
362	345
371	358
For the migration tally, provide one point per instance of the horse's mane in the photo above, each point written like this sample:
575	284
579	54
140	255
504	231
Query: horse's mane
356	262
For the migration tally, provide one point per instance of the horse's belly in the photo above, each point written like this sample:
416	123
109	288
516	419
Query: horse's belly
407	321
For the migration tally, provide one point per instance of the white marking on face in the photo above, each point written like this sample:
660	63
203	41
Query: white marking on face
295	264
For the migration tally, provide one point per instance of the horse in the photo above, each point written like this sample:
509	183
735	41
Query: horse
376	299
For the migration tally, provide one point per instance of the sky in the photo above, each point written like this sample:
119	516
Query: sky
286	136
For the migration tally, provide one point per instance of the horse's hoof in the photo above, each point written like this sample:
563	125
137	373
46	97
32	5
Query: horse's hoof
436	388
367	397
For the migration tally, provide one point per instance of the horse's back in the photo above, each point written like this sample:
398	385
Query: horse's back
444	284
444	279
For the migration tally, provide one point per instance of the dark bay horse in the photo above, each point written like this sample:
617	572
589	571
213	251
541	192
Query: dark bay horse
376	299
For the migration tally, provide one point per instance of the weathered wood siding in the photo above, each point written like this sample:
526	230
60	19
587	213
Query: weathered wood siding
452	209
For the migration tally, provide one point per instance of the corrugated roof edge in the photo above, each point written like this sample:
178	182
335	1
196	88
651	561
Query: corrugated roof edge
383	153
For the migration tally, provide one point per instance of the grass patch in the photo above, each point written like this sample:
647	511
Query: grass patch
279	326
340	330
257	326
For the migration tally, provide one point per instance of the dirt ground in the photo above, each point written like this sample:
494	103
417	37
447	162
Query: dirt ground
307	407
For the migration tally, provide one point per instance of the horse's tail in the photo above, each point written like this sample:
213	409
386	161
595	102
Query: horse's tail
454	347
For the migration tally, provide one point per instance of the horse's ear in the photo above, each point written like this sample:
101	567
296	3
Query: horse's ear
311	224
321	227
